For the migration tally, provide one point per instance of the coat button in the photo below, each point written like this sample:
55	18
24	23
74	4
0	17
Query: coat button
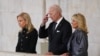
21	40
21	44
26	37
23	35
21	48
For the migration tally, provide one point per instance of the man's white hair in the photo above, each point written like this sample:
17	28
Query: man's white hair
57	8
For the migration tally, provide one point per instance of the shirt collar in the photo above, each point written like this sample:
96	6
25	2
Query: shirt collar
59	20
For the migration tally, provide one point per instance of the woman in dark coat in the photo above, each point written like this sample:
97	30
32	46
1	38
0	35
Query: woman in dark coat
78	43
27	36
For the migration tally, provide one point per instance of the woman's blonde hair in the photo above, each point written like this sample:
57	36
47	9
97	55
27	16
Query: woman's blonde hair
27	18
80	18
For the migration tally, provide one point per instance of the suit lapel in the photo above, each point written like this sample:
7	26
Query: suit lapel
59	25
58	29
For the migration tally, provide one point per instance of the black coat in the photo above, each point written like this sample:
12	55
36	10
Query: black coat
58	39
78	43
27	41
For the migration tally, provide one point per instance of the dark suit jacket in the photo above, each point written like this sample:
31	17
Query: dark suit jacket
78	43
27	41
58	39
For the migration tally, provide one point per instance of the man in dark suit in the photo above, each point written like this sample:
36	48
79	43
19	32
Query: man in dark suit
59	31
